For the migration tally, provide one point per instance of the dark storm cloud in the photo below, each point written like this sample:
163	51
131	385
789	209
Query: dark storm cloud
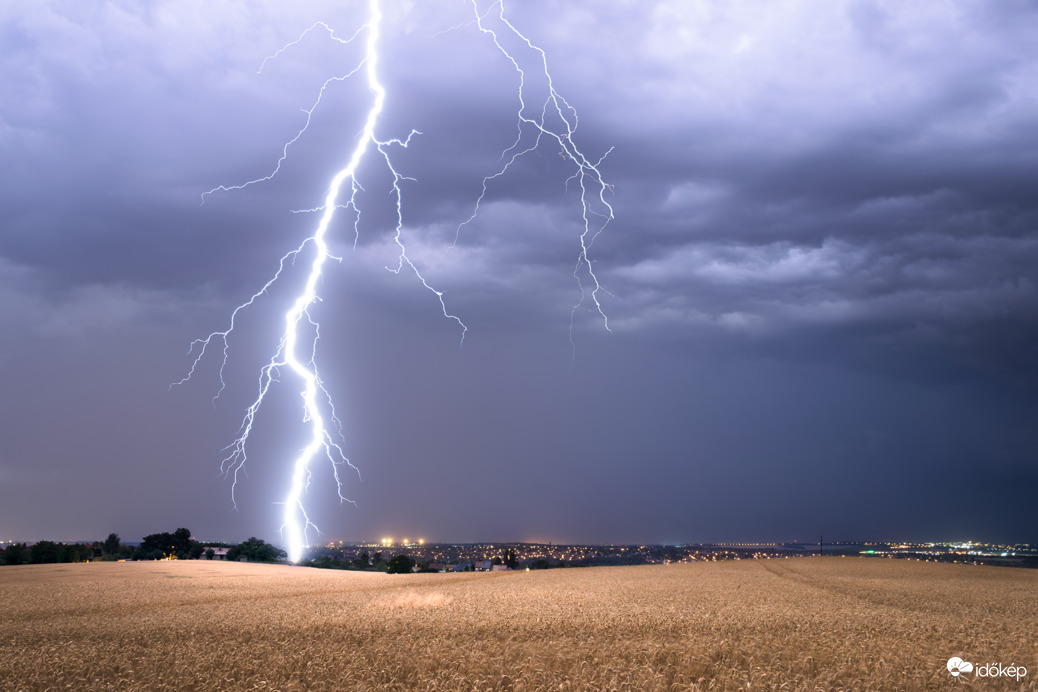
821	273
873	179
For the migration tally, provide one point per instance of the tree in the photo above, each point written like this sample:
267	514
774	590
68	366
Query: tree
328	562
183	545
16	554
155	546
111	544
209	553
159	545
510	559
44	552
256	550
401	564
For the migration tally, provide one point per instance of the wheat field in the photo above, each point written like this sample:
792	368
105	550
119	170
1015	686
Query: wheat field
791	624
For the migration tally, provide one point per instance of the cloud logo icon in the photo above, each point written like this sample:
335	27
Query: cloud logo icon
956	665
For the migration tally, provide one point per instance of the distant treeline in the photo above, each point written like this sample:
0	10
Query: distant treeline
400	564
158	546
405	564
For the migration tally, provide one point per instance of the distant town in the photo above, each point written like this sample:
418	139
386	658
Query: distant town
474	556
407	555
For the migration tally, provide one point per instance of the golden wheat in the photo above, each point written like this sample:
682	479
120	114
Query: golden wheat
795	624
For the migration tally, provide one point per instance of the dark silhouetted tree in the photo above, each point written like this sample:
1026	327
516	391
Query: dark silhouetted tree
159	545
44	552
256	550
16	554
401	564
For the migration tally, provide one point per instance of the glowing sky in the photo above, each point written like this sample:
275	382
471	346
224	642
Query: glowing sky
821	275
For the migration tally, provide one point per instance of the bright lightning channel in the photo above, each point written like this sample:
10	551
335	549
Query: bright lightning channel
318	409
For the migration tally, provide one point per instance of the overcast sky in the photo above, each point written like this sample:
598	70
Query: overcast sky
820	280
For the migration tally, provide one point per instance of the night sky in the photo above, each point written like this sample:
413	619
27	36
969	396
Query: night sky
820	281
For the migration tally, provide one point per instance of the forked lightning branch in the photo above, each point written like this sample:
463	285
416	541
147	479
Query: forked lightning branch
544	119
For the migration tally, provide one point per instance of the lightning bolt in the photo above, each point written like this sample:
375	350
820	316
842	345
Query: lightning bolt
297	347
555	120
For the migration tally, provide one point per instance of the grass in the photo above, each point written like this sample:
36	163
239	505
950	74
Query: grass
795	624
